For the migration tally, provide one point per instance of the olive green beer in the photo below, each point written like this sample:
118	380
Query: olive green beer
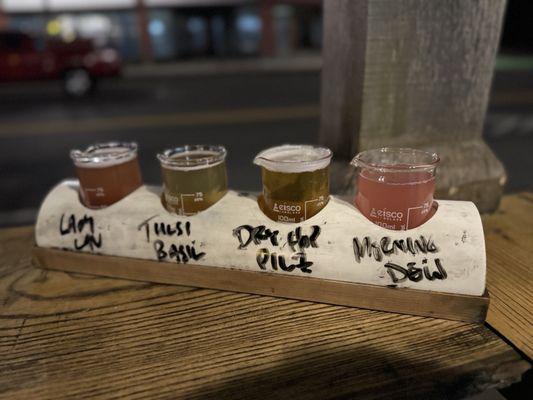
295	181
194	178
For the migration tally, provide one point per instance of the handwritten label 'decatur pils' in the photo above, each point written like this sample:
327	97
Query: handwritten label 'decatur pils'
446	254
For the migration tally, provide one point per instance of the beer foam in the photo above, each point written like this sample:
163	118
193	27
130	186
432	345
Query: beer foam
294	158
103	156
190	160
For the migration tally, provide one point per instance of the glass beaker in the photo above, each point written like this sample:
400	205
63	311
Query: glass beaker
295	181
107	172
194	177
395	186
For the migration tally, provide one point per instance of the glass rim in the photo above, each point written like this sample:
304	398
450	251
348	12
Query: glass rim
267	158
218	154
124	151
429	160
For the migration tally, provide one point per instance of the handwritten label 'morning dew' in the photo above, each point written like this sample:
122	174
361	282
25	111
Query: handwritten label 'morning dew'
181	251
297	241
386	247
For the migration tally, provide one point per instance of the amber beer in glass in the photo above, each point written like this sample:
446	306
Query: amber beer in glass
395	186
194	177
295	181
107	172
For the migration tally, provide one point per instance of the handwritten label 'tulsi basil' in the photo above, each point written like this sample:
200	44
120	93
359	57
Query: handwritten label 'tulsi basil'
181	250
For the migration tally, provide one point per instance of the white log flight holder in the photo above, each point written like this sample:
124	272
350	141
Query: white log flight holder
338	256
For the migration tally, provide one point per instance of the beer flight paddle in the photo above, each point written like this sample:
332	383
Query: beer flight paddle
393	249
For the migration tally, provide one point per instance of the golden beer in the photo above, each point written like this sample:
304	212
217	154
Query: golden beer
194	178
295	181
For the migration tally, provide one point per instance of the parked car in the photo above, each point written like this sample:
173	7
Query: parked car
77	63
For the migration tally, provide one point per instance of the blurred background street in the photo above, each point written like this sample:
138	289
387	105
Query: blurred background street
245	113
245	74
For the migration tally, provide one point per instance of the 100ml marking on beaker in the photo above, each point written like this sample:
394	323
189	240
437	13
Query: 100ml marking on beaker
197	197
425	208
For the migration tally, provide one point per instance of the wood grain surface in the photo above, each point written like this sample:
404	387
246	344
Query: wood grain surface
67	335
509	237
452	306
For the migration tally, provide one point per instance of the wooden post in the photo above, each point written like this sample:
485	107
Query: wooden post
144	35
268	40
3	20
414	73
3	16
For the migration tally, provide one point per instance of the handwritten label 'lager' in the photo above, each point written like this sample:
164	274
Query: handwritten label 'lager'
295	181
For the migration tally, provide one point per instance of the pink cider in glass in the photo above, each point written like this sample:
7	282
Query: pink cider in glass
395	186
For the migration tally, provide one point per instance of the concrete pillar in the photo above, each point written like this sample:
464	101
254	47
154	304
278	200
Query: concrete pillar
413	74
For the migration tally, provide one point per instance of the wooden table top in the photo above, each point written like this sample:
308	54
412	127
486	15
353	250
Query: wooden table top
76	336
509	242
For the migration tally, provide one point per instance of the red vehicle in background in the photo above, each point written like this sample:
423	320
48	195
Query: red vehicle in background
77	63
